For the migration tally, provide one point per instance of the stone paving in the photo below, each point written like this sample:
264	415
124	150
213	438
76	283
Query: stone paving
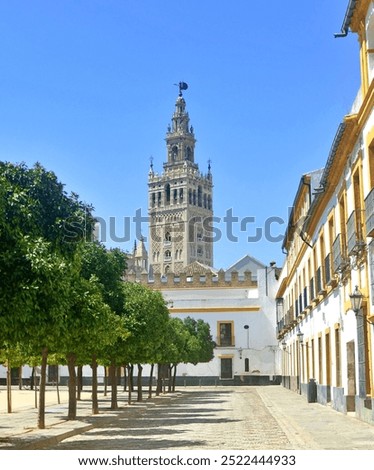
215	418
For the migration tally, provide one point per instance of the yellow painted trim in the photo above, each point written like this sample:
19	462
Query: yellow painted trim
347	306
226	356
254	308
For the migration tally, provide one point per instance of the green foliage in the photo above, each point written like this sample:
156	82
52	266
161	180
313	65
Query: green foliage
40	229
145	317
202	349
62	292
108	266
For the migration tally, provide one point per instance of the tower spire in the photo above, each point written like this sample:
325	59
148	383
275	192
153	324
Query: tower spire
177	196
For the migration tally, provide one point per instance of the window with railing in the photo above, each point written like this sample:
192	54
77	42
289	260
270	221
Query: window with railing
355	236
319	281
225	334
305	295
301	305
311	289
339	254
369	211
279	305
328	277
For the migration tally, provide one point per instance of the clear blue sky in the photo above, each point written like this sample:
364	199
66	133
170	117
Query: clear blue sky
87	89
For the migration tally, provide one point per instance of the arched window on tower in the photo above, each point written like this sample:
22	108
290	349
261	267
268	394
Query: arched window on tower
194	197
199	196
209	202
174	153
167	237
190	196
167	256
181	194
189	154
167	193
204	199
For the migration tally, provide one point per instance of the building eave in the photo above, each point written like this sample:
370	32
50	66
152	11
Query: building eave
347	19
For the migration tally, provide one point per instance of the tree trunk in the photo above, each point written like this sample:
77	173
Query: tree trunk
124	378
43	377
72	385
159	379
132	377
129	382
9	386
170	368
139	384
105	381
58	386
150	381
20	384
113	383
32	378
79	382
174	377
95	402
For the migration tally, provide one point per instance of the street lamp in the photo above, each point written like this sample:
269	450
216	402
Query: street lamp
300	336
246	327
356	300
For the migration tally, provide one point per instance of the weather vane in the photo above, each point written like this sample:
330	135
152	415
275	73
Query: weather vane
182	86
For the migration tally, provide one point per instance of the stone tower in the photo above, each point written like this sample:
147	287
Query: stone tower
180	202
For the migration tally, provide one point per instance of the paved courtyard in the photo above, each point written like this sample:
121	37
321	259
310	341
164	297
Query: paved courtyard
238	418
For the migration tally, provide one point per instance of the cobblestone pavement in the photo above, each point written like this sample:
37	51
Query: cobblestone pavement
221	418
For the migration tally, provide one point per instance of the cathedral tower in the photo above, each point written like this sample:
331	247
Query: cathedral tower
180	201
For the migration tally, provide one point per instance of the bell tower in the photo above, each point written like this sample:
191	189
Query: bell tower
180	201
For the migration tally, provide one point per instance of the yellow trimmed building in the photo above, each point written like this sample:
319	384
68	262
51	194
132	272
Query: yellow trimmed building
325	300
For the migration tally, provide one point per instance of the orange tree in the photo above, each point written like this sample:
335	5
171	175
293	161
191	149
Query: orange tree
41	227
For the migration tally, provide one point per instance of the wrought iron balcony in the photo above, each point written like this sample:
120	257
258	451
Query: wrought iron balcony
355	236
340	259
312	291
279	305
369	210
306	300
225	341
319	282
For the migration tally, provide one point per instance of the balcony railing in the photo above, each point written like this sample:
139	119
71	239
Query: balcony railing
305	295
369	210
355	238
319	282
339	254
280	327
328	278
225	341
279	305
290	316
312	291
